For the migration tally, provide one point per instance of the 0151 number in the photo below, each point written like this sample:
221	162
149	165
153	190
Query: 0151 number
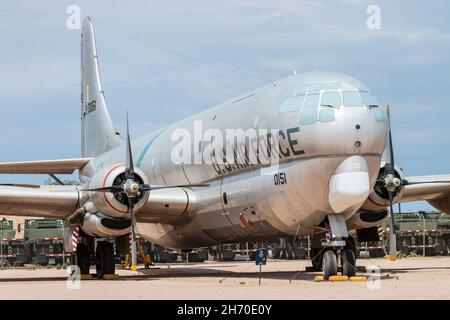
279	178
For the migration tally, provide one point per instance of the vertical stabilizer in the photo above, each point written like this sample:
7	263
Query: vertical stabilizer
97	129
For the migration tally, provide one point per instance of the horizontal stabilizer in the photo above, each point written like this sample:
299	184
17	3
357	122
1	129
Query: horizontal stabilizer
64	166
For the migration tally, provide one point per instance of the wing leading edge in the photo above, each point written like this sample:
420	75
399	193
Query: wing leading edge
64	166
437	194
40	201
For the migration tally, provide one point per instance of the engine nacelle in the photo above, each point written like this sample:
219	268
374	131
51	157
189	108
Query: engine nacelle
378	199
115	205
366	219
101	226
174	206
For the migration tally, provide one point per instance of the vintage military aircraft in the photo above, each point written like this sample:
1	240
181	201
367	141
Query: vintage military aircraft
329	175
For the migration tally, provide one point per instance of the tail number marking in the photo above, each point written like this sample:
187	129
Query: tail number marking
279	178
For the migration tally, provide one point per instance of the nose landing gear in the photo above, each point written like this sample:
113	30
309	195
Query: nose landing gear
337	249
329	264
331	258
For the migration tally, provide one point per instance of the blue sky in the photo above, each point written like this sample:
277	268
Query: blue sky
406	63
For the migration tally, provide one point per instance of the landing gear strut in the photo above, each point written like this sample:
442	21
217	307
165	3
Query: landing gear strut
338	247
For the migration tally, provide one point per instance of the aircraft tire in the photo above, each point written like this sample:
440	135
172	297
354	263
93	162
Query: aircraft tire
329	264
348	261
83	259
104	257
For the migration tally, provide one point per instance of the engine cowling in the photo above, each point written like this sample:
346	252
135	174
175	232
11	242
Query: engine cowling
378	199
115	205
99	225
366	219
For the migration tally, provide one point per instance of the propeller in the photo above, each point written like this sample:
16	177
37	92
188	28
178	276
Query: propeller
132	188
393	185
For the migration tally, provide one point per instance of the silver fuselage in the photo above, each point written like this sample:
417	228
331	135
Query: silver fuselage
310	159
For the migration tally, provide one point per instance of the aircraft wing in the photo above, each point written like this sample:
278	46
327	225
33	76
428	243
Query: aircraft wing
437	194
64	166
45	201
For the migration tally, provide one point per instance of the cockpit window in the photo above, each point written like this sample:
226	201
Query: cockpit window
308	115
311	101
331	99
369	100
351	98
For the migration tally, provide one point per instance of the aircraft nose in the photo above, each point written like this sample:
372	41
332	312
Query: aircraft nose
349	186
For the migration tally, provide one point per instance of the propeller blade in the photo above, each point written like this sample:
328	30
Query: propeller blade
146	187
129	171
407	183
133	234
112	189
21	185
392	236
390	167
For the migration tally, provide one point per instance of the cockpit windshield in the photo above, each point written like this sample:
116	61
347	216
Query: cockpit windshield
369	100
331	99
351	98
321	100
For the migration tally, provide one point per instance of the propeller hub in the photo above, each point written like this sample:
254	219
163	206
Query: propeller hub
391	182
131	188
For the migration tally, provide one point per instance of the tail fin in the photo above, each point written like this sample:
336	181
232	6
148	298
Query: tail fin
97	129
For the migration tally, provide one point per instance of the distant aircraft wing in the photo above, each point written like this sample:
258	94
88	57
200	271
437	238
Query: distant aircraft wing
437	194
45	201
64	166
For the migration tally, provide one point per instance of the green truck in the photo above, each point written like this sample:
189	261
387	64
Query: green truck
416	232
44	241
11	250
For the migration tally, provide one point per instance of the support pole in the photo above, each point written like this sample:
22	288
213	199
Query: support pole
260	274
133	247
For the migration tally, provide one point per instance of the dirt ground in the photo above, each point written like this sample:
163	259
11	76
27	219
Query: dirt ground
408	278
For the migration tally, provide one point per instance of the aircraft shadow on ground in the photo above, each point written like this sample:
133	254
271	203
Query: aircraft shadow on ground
192	271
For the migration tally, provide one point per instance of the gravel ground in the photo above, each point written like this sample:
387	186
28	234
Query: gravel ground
408	278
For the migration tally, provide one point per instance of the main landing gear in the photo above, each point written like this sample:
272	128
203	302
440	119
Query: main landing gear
338	248
103	257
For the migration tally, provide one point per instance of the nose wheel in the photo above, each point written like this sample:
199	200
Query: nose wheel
329	264
348	261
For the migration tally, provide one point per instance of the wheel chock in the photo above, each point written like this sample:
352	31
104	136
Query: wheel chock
318	278
393	258
85	276
337	278
110	277
358	279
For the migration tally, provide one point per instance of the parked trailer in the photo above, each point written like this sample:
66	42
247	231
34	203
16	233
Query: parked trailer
11	249
50	251
44	241
12	253
411	234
